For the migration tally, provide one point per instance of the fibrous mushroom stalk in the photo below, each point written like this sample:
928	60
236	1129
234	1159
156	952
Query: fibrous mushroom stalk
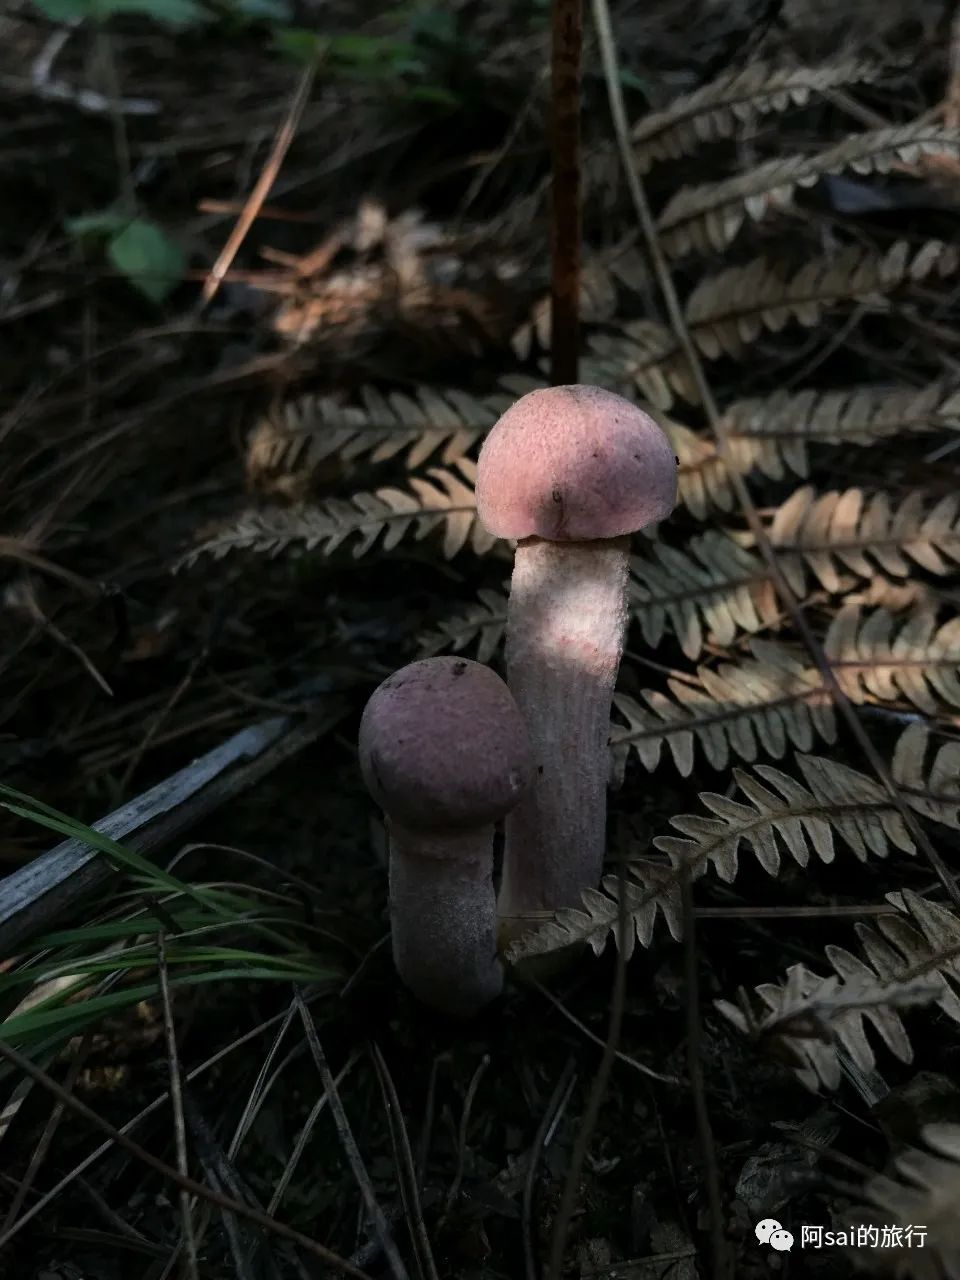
444	917
565	635
444	751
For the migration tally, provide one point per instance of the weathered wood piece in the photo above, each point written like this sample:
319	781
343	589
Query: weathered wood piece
36	895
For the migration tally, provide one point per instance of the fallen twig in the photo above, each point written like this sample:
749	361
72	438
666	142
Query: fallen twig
37	894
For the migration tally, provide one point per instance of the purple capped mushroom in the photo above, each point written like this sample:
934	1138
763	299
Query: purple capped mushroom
445	753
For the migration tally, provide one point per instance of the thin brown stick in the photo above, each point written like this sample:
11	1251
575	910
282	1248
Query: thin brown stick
951	101
176	1103
591	1035
566	224
46	1138
158	720
598	1088
349	1143
548	1122
408	1179
261	189
264	1220
601	12
708	1150
78	1170
454	1188
283	1183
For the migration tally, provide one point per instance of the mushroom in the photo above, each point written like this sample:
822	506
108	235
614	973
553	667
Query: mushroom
445	752
569	472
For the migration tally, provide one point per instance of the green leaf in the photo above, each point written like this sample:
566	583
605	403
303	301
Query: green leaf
65	10
151	261
74	1016
367	51
108	222
631	81
435	26
265	10
434	94
299	43
175	13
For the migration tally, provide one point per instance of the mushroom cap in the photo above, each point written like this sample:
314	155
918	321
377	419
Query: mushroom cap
443	746
574	462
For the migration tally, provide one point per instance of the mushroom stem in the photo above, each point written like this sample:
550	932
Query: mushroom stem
565	633
443	915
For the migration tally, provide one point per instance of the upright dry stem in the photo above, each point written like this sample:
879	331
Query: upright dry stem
565	633
443	916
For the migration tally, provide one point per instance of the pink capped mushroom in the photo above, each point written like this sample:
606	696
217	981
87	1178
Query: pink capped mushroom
445	753
570	472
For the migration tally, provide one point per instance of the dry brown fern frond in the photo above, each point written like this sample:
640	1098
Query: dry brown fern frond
934	790
911	955
728	311
884	657
766	704
599	278
772	700
816	531
408	281
718	109
783	815
644	354
772	433
703	478
439	499
707	218
712	586
599	917
836	799
482	624
300	434
808	1020
895	594
804	820
918	1235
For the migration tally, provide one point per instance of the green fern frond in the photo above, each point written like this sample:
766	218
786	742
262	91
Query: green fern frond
908	957
302	433
599	918
727	312
481	624
772	434
836	800
931	790
920	1194
763	704
707	218
599	278
713	588
778	814
438	500
718	109
645	355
